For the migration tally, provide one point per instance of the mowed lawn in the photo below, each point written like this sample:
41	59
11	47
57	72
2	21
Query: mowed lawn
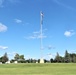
38	69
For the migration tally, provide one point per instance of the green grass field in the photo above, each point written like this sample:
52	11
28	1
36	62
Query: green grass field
38	69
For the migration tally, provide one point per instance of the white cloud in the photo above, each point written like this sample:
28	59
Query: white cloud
43	36
69	33
51	47
31	37
36	32
18	21
36	35
3	47
3	28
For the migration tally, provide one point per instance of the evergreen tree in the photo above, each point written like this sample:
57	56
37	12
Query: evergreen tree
4	58
67	57
57	58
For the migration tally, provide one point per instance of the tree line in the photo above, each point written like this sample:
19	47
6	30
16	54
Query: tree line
67	58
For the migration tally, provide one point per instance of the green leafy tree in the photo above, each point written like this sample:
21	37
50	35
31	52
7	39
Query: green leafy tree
17	57
51	60
21	57
74	59
0	59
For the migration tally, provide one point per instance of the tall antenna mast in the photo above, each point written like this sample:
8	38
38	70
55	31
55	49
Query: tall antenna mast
41	37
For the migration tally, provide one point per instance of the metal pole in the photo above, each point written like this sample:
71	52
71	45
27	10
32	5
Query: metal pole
41	37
